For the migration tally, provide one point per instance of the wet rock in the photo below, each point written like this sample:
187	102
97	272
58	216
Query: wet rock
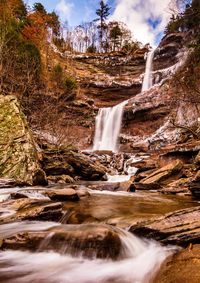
63	195
7	183
31	209
90	240
82	193
184	266
180	186
65	179
18	155
180	227
146	187
162	174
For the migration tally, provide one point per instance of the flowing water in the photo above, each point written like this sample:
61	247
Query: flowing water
148	80
107	127
108	121
138	261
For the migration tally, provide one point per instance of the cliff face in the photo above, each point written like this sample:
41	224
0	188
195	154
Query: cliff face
106	80
109	80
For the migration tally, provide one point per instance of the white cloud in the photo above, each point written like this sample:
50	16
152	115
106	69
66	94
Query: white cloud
137	13
64	9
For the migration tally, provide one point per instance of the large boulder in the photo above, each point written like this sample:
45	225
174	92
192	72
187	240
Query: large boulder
18	155
69	161
100	241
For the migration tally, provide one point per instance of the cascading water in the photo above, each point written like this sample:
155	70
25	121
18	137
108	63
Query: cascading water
107	127
138	262
108	120
147	81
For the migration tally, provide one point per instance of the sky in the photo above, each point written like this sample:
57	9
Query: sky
146	19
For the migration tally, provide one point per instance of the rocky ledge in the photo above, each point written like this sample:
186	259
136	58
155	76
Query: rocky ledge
181	227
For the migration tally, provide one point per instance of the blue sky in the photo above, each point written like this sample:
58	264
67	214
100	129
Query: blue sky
145	18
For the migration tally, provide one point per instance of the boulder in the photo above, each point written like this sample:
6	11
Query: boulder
183	266
30	209
63	194
180	227
18	155
85	167
90	240
67	161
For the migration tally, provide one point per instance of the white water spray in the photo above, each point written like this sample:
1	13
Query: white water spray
107	127
139	261
148	80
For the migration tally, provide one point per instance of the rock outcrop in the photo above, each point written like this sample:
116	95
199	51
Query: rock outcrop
18	155
69	161
181	227
159	177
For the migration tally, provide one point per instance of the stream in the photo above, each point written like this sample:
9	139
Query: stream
138	259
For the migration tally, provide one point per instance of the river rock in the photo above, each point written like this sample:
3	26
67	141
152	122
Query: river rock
18	155
63	194
184	266
31	209
90	240
180	186
161	175
181	227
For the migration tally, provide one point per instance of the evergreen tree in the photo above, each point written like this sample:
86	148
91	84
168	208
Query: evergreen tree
103	12
38	7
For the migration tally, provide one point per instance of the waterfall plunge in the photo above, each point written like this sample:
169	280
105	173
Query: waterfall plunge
108	120
107	127
148	82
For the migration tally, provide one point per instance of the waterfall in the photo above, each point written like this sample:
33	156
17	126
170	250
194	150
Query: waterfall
107	127
108	120
148	82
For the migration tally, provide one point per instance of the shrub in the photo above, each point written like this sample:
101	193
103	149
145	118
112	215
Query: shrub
57	73
92	49
69	83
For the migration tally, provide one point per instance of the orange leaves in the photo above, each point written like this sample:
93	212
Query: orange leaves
36	30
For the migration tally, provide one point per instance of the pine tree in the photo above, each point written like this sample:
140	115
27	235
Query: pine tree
103	12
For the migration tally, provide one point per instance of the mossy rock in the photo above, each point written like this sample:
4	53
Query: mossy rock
18	155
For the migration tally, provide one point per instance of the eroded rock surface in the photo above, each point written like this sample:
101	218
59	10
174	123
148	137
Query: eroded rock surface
18	156
181	227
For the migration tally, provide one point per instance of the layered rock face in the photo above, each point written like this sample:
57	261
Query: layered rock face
110	79
18	155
